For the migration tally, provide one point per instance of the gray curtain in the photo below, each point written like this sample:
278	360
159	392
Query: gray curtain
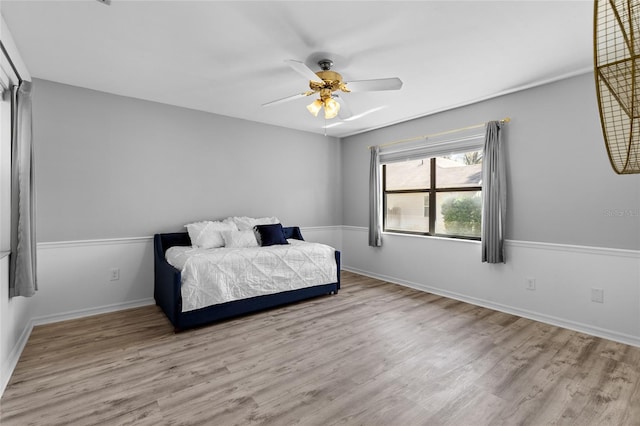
494	196
22	275
375	207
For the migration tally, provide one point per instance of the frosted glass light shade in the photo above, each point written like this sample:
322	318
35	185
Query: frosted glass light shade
315	107
331	108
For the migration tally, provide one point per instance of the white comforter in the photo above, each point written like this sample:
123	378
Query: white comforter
219	275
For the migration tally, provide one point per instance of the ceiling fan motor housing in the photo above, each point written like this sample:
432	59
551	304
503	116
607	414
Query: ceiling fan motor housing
331	80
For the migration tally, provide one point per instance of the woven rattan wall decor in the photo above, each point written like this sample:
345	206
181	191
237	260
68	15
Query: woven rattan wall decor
616	45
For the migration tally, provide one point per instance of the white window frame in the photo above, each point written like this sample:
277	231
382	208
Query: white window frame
428	149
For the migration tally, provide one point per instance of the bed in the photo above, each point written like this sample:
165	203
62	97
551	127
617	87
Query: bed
168	285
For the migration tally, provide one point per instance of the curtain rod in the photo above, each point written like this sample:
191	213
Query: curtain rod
433	135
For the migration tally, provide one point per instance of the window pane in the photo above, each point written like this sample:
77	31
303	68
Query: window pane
459	170
413	174
407	212
459	213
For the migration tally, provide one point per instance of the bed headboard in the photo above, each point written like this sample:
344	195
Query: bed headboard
182	238
174	239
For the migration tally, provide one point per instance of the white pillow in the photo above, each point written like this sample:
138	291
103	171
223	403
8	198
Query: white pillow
207	234
266	221
243	222
239	239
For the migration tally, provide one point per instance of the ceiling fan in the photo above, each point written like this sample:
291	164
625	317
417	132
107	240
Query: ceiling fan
325	82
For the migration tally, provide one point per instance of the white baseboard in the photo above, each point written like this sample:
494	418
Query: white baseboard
14	357
565	276
560	322
82	313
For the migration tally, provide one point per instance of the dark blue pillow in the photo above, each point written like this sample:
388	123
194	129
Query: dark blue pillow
271	234
292	232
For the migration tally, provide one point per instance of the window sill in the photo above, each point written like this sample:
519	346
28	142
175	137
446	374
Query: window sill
431	237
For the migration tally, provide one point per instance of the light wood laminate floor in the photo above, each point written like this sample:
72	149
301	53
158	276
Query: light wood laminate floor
375	354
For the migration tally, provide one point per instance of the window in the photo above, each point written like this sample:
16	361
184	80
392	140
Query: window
439	196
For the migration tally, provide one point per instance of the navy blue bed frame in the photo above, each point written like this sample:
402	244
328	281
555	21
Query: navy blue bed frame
168	281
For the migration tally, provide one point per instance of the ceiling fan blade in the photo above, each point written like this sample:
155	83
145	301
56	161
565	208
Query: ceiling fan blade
304	70
288	98
345	111
375	85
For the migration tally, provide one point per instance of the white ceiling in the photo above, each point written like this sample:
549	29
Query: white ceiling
228	57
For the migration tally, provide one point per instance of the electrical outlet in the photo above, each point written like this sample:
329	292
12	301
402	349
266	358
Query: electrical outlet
597	295
530	283
115	274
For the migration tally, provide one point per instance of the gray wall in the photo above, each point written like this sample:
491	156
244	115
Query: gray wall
561	186
111	167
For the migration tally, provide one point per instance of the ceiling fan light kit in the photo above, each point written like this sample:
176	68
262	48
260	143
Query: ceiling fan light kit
617	73
329	81
331	107
325	82
315	107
